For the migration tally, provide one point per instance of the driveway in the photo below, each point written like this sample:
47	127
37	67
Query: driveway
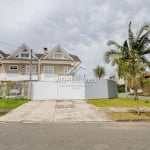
55	111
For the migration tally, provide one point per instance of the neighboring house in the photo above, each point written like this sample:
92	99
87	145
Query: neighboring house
17	65
146	86
119	81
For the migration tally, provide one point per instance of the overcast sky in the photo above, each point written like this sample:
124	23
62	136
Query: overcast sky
82	27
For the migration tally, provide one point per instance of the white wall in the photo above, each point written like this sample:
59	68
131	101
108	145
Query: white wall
71	90
48	90
44	90
52	90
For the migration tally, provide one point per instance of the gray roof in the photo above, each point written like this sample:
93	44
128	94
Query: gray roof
39	55
3	54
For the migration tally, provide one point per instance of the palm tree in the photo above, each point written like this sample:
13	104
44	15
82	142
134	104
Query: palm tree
99	72
130	57
118	56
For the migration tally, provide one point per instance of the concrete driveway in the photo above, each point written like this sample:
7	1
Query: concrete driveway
55	111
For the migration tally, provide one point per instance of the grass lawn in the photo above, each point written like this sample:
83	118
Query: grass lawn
3	113
11	103
130	116
119	102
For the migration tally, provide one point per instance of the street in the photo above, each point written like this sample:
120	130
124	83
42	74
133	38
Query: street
85	136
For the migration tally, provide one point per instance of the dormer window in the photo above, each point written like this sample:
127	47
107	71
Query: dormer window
24	55
59	55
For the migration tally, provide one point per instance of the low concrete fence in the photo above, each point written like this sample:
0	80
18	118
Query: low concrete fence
101	89
49	90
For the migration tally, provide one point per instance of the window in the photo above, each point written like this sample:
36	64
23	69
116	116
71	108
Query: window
48	69
24	55
59	55
67	69
33	70
13	67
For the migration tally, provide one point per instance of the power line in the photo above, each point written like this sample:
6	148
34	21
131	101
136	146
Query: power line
8	44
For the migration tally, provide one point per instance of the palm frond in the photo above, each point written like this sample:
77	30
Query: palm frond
130	37
111	53
146	51
99	71
145	61
141	30
125	50
114	43
142	41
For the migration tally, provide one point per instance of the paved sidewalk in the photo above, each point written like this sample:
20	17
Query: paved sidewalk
55	111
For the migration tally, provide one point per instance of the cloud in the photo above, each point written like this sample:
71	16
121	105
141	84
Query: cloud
82	26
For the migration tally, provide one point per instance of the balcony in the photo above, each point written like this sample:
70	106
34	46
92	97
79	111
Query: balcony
17	77
34	77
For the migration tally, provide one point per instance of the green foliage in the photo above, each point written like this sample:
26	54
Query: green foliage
118	102
130	116
121	88
146	82
130	57
11	103
5	88
99	71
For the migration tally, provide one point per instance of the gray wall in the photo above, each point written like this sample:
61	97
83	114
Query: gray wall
112	89
101	89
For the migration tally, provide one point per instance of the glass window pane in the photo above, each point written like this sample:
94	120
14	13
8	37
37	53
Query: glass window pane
48	69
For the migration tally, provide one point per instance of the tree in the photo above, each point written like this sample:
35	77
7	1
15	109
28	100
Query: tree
130	57
99	72
118	56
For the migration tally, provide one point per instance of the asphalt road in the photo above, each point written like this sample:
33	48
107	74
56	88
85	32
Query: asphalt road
93	136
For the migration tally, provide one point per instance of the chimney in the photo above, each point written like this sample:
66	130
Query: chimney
45	50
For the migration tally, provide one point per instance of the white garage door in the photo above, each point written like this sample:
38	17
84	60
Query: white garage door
53	90
44	90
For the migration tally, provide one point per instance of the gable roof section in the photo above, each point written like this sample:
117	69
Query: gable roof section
39	56
3	55
20	49
76	58
57	49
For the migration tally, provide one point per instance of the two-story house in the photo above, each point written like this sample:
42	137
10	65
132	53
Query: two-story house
23	64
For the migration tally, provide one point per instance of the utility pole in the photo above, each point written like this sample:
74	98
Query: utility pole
31	66
30	75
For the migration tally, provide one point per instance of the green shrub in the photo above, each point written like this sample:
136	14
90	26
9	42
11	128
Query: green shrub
121	88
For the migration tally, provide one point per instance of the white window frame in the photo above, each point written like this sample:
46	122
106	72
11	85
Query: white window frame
13	66
59	54
49	67
66	70
24	53
28	72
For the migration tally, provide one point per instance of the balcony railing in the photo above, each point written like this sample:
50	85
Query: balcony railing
21	76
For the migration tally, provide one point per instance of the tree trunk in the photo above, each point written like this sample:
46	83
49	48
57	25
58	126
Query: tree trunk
135	94
126	87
